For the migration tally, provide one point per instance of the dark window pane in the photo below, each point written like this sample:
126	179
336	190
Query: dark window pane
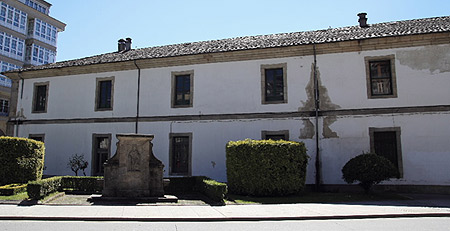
180	155
182	90
276	137
385	144
101	154
104	100
41	98
274	84
381	77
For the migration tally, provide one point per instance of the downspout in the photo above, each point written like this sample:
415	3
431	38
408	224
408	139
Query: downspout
17	116
317	108
137	97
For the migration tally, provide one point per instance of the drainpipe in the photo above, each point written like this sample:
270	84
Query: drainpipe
317	105
137	97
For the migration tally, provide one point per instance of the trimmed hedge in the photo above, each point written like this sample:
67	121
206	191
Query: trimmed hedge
82	183
266	167
12	189
214	190
39	189
21	160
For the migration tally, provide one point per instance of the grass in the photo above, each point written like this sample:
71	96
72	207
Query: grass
313	198
16	197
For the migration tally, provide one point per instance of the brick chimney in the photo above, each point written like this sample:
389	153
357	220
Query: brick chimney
362	20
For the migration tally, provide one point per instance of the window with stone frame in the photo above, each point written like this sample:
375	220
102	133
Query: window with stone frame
104	94
182	89
275	135
180	154
386	142
40	97
37	137
273	83
101	151
381	78
4	107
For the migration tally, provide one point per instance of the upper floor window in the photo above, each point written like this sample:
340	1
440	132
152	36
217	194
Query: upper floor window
43	31
13	18
381	81
104	94
40	97
4	107
35	5
273	78
11	46
182	89
5	81
38	55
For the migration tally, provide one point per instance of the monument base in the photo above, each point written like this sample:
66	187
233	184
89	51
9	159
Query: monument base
132	200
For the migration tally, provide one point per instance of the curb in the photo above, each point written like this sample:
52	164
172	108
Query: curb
224	219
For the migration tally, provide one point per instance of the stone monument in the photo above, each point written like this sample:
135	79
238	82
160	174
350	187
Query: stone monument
134	172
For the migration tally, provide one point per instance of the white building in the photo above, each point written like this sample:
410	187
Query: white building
28	36
381	87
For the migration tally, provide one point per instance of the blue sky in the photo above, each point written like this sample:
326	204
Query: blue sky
94	26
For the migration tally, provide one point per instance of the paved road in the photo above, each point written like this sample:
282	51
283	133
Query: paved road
396	224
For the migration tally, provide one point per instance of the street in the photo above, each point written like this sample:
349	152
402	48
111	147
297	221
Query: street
397	224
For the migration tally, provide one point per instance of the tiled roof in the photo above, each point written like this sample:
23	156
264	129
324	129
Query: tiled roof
388	29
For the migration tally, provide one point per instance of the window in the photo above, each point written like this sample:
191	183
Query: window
275	135
380	75
37	137
101	151
40	97
104	94
180	154
386	142
273	79
4	107
182	89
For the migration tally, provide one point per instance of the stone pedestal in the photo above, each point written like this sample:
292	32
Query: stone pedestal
134	171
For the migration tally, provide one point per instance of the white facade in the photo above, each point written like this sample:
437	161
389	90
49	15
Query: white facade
227	105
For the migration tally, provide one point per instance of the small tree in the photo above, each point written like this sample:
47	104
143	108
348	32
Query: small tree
369	169
77	163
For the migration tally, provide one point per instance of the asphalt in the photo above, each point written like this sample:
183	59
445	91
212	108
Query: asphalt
418	206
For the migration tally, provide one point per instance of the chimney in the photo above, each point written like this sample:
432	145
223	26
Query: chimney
362	20
121	45
128	44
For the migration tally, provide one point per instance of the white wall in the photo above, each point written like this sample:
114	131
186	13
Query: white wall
235	87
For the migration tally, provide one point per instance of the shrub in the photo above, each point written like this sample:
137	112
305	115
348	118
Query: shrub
12	189
82	183
41	188
214	190
77	163
266	167
369	169
21	160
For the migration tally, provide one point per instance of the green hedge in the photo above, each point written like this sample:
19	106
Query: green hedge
266	167
39	189
82	183
21	160
12	189
212	189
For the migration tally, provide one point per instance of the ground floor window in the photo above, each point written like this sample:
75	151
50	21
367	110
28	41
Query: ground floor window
275	135
101	151
180	154
386	142
37	137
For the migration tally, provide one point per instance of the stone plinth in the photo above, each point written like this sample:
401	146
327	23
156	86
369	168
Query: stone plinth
134	171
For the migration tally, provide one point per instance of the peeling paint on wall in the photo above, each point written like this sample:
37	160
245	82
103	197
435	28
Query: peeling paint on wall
307	132
327	132
436	59
325	100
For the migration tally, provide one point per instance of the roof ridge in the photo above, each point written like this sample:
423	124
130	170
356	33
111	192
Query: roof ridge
248	42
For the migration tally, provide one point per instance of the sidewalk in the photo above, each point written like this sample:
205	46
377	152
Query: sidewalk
310	211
